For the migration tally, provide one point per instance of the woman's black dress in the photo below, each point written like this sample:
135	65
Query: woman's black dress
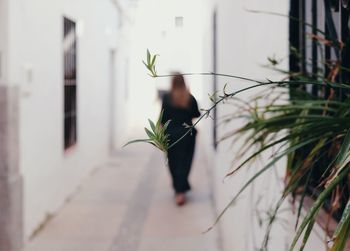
181	154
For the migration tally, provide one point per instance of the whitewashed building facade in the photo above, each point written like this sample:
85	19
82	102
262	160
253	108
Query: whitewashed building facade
239	41
63	80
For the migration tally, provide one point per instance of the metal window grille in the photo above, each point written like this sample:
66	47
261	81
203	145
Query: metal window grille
70	83
314	59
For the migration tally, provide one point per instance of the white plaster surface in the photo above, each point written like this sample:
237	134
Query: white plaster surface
34	54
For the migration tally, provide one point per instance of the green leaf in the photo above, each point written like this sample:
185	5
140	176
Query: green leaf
256	175
145	64
342	231
342	158
316	206
302	198
344	150
160	118
271	221
149	133
153	127
148	57
153	60
272	144
307	234
343	220
136	141
166	124
154	72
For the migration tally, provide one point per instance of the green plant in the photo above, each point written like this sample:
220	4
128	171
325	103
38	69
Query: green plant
157	135
314	126
305	123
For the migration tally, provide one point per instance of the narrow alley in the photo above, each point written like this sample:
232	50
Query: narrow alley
127	204
264	82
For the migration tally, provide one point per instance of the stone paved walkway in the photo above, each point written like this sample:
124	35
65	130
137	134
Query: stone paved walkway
128	205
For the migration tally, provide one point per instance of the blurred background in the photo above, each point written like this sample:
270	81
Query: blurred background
73	91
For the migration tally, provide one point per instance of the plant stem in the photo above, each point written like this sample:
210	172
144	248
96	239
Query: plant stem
210	74
232	94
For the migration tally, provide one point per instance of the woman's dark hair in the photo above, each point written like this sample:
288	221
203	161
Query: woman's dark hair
180	95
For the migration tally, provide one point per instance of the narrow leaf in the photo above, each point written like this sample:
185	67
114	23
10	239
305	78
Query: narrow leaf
136	141
149	133
153	127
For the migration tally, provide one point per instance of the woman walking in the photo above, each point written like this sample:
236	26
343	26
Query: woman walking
180	107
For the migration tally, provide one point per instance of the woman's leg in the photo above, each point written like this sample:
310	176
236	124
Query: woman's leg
189	155
178	159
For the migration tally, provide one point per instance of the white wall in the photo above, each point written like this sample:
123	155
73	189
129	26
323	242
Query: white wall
3	41
245	40
180	49
36	64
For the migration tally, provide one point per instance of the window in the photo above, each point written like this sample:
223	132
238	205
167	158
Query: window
318	31
179	22
70	83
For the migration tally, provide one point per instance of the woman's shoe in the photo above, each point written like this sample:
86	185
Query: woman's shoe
180	199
